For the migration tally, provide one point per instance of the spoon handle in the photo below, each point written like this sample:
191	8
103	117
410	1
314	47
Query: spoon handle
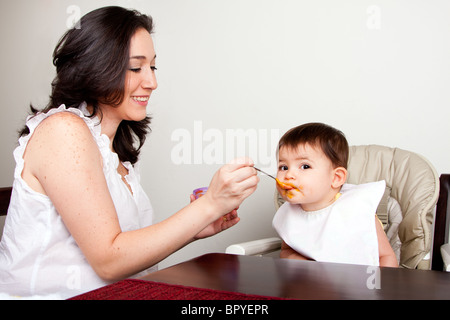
265	173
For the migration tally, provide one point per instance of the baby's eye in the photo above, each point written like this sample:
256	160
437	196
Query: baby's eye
305	166
283	168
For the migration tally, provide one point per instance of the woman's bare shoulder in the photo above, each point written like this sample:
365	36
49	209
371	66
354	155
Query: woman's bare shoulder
63	121
60	143
62	128
60	135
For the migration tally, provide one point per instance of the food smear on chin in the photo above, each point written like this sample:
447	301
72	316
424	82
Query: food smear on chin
288	187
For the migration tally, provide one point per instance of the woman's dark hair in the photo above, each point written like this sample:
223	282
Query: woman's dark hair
91	63
319	135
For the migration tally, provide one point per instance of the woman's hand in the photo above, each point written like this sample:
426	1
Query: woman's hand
221	224
231	185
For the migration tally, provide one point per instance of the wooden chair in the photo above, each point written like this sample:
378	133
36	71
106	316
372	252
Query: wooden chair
441	222
5	196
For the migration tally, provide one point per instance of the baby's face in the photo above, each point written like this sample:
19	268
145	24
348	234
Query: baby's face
305	176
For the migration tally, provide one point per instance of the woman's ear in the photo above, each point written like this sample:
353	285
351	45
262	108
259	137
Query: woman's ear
339	178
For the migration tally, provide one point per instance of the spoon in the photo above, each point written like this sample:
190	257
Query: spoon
266	174
281	184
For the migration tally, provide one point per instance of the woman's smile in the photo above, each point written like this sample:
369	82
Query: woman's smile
141	100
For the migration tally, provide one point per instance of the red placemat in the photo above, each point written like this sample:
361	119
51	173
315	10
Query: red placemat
134	289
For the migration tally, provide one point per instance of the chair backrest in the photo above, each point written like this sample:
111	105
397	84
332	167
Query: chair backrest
413	182
5	196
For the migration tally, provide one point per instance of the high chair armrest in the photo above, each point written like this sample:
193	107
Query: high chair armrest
256	247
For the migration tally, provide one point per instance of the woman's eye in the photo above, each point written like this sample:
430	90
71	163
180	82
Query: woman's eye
137	70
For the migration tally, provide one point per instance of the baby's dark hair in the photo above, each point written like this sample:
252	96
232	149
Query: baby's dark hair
319	135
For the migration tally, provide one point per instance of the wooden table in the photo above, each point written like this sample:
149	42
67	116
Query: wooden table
304	279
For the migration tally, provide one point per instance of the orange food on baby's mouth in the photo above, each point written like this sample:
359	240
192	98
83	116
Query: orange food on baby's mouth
286	186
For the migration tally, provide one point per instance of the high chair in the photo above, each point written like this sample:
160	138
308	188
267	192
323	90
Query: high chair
407	209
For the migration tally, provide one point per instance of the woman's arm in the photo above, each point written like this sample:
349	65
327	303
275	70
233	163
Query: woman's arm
63	162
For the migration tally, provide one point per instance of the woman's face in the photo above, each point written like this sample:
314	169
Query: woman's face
140	80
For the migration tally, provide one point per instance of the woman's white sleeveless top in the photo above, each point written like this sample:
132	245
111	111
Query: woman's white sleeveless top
38	256
343	232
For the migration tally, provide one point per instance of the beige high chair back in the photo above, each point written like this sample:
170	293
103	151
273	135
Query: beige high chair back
414	183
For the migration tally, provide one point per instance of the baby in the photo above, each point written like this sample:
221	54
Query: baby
323	218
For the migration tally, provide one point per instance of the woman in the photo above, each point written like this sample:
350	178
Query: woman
79	218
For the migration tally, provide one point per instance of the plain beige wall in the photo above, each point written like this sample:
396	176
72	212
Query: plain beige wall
377	70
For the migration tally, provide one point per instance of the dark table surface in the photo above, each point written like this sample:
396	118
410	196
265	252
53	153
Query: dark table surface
304	279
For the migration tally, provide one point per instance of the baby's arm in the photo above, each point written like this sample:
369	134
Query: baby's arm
289	253
386	254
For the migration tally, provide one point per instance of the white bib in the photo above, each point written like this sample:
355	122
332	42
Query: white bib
343	232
